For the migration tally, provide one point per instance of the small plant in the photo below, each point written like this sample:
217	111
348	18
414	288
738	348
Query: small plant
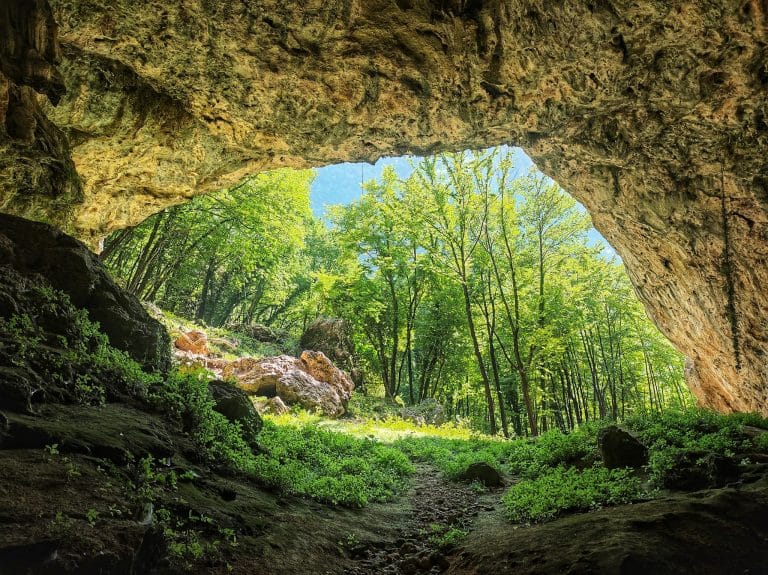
114	511
61	525
478	487
188	476
229	535
52	449
91	516
72	469
444	537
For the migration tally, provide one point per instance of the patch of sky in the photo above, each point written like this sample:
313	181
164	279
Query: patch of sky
342	184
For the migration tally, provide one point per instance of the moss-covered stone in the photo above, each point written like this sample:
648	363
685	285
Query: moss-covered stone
47	275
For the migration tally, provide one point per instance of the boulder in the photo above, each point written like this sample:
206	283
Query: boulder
193	341
430	411
67	265
260	376
276	406
271	405
234	404
333	337
311	381
483	473
619	448
695	469
298	387
316	364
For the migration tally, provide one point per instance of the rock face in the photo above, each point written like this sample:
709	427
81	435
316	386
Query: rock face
311	380
654	115
37	174
67	265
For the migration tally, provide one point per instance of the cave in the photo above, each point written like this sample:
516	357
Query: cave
653	115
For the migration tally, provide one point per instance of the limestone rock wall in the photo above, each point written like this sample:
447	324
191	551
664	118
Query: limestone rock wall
37	175
653	114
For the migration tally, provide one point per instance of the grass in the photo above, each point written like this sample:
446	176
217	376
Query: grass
558	473
296	456
329	466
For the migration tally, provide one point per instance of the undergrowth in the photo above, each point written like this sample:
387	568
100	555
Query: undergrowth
356	461
329	466
565	490
229	343
66	354
300	459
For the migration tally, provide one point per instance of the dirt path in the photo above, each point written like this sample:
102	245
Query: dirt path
437	507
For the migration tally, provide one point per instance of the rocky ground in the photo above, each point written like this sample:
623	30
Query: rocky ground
438	509
76	508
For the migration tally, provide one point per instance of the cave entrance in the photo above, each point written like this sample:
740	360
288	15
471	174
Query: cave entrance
461	287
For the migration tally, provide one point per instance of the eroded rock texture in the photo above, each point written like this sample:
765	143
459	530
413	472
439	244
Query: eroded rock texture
37	176
653	114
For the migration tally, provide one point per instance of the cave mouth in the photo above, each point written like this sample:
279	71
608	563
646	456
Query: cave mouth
550	333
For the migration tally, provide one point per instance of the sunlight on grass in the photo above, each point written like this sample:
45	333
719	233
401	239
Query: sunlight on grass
386	431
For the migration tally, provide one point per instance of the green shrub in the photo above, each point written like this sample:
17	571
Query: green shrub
186	398
453	456
521	457
561	490
301	460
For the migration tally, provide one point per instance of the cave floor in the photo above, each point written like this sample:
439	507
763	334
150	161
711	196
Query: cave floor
68	504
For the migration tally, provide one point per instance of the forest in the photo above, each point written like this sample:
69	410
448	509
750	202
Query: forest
466	282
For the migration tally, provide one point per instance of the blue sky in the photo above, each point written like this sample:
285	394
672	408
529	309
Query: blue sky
341	183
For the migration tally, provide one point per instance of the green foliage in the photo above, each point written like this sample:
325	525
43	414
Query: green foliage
369	407
192	538
444	537
68	351
520	457
186	398
328	466
464	278
92	516
453	456
463	284
237	256
560	490
302	460
61	525
670	434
